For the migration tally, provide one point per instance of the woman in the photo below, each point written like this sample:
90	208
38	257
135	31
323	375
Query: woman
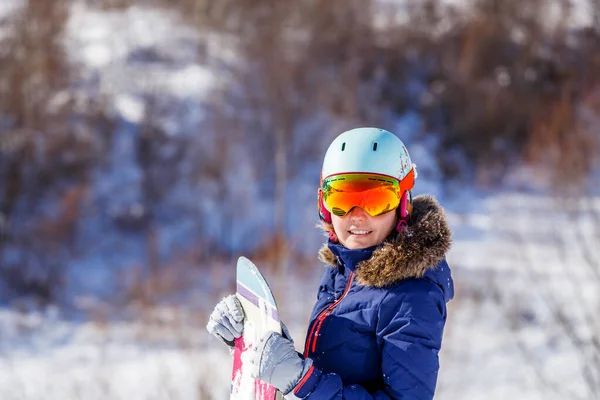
376	329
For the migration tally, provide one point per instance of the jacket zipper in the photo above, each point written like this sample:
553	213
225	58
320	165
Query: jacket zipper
314	332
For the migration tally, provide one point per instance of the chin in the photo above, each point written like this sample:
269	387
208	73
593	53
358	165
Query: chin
356	245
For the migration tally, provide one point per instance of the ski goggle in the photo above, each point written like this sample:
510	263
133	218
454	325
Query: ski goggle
376	194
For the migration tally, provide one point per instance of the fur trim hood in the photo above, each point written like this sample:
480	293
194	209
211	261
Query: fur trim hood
407	254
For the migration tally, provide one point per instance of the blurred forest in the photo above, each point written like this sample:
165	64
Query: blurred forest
499	84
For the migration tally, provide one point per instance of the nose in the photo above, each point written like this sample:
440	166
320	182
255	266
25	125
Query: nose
357	213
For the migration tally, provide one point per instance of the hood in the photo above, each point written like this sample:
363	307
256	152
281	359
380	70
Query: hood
417	251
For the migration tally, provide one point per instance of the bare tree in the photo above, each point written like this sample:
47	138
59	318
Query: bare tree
34	133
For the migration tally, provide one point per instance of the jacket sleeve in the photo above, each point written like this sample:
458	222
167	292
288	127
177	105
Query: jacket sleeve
409	333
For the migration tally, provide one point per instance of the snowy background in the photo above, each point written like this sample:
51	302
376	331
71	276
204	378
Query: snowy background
169	138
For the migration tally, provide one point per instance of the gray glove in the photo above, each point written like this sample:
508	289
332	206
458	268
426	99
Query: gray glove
286	333
276	362
227	320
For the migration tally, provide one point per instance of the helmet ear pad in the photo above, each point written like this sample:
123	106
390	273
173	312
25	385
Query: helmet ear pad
324	213
404	210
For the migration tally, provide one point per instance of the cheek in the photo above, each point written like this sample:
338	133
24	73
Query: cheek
338	224
388	223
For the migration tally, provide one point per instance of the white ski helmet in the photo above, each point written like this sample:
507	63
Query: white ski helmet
370	151
367	150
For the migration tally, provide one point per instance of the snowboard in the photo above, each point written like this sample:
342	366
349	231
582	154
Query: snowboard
261	316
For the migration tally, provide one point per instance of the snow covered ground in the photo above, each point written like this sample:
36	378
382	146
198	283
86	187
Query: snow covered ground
43	357
522	322
502	339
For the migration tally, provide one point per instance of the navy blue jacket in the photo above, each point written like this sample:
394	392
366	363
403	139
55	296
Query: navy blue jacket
376	328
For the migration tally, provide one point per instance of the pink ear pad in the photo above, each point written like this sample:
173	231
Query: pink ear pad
323	212
401	225
404	205
403	212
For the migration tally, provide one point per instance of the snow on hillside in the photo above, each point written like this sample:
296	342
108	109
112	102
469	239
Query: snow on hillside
129	59
580	12
135	52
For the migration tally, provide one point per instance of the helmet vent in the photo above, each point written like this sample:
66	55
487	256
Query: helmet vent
343	146
374	146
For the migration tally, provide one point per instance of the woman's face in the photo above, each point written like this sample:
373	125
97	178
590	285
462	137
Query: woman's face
358	230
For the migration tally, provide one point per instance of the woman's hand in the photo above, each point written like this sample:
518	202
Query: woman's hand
276	362
227	320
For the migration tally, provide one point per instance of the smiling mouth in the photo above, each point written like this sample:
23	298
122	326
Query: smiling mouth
358	232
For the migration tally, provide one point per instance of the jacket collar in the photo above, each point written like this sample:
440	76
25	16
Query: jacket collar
350	258
410	253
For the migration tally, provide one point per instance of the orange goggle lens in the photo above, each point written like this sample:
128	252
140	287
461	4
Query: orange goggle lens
376	194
